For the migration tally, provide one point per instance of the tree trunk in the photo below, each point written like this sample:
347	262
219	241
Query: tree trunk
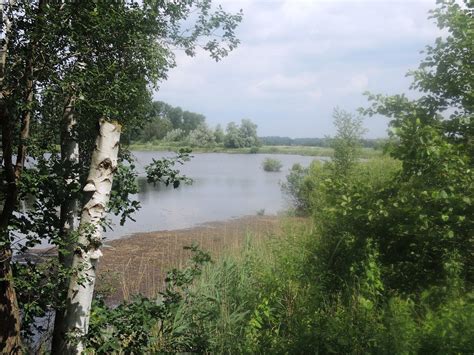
10	341
87	250
68	208
10	320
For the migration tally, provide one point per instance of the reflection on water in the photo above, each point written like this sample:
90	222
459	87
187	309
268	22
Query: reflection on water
225	186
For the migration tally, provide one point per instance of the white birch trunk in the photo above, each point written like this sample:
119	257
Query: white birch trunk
87	251
5	29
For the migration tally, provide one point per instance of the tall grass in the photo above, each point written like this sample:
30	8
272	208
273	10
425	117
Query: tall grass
264	300
323	287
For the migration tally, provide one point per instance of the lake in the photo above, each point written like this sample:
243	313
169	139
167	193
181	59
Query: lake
225	186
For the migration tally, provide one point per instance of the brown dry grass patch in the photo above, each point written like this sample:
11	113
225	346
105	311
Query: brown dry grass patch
138	264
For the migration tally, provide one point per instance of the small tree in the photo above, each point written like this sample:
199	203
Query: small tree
202	136
233	139
248	132
174	135
243	136
347	140
219	135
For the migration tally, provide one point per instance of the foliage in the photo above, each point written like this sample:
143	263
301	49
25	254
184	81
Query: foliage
321	153
173	125
267	301
161	171
271	165
145	325
124	187
297	187
91	60
347	140
386	267
219	134
241	136
248	133
376	143
174	135
202	136
162	118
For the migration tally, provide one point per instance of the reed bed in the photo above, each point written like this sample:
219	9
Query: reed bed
138	264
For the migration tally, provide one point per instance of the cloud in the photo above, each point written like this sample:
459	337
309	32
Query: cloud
284	84
357	83
300	58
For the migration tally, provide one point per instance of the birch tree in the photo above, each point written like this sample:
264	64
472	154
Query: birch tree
87	251
91	60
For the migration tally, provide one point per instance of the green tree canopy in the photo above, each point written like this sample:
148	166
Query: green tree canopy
64	67
241	136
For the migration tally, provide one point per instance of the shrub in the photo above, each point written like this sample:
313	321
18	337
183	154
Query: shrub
202	136
150	326
174	135
254	150
271	165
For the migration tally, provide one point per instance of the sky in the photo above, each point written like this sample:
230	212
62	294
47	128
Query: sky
298	59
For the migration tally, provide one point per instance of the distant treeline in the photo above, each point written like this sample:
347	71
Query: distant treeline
316	142
163	118
169	124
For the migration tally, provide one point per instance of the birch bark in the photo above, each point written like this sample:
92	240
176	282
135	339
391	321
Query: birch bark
87	250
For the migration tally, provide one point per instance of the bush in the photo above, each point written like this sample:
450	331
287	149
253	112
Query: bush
174	135
153	325
202	136
271	165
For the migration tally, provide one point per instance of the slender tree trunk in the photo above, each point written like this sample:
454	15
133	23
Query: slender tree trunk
70	161
87	249
10	320
68	208
10	340
8	301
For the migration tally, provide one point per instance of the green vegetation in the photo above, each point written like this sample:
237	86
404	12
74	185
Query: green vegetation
271	165
167	125
365	153
169	128
73	76
376	143
385	268
242	136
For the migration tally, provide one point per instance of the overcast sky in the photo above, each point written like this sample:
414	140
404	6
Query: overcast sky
298	59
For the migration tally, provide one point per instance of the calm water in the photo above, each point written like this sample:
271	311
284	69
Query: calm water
225	186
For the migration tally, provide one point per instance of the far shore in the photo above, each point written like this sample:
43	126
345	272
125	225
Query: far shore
266	149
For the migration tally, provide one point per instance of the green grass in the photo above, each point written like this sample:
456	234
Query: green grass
278	149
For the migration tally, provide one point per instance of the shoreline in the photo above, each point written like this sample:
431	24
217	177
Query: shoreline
323	152
138	263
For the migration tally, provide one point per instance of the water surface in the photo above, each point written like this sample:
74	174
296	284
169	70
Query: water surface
225	186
